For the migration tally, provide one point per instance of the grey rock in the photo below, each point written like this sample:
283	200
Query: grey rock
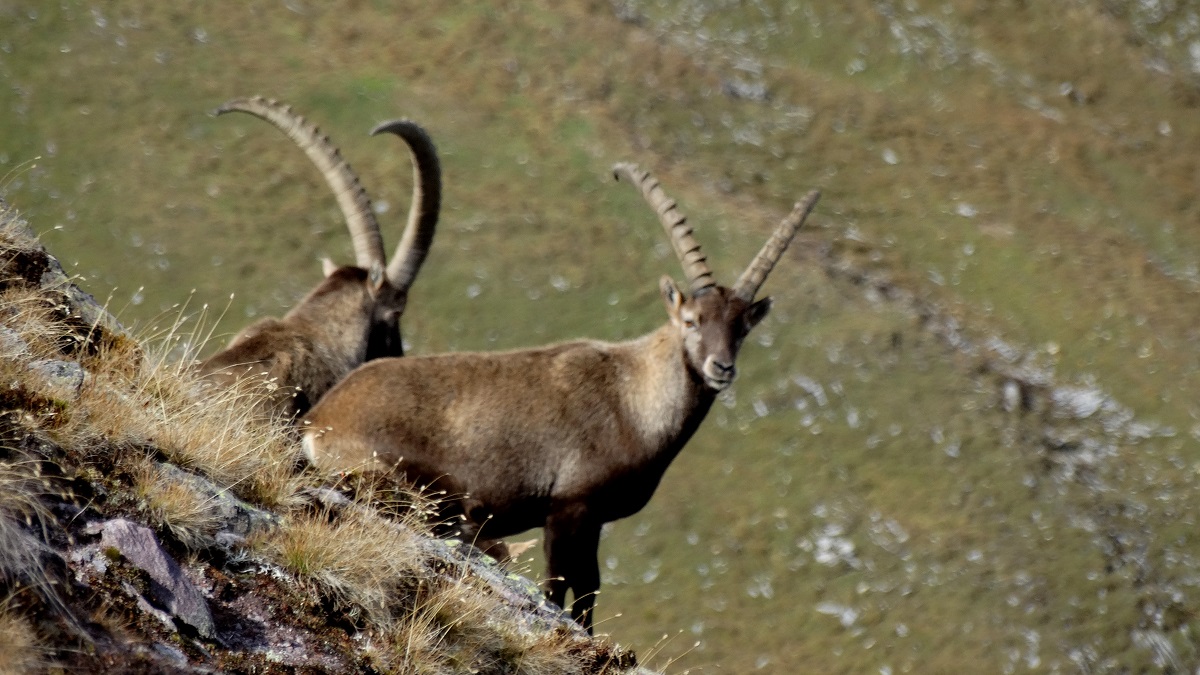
238	519
534	612
88	558
170	588
327	498
228	540
172	653
747	90
11	344
80	304
59	379
144	605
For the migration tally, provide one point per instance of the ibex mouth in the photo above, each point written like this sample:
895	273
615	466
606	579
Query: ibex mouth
717	384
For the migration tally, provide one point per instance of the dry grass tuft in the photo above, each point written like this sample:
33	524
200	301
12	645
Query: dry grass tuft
158	401
25	524
547	653
31	318
416	645
358	560
190	516
20	646
451	628
427	617
457	626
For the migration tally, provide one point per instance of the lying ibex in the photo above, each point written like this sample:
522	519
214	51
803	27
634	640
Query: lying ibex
353	315
568	436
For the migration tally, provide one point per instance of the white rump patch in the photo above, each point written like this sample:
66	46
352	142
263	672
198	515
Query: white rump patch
308	444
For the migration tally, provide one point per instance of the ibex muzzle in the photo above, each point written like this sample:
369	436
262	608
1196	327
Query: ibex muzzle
713	324
353	315
566	437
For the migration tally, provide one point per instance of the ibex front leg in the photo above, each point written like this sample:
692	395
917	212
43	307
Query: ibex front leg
572	541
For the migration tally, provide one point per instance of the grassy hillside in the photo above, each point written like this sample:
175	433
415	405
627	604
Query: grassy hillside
966	435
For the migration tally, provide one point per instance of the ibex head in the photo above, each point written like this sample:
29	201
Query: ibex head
353	315
713	322
386	284
712	326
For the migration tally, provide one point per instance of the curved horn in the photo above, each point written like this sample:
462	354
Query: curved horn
426	202
756	273
695	263
351	197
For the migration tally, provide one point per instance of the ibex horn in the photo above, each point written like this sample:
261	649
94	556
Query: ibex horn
695	264
351	197
426	202
756	273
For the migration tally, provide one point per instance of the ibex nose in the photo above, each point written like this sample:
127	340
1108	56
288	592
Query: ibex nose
718	373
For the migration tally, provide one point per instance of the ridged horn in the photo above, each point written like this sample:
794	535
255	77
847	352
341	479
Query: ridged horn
426	202
351	197
695	264
756	273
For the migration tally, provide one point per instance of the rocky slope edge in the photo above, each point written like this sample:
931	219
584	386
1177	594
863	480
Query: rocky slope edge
149	525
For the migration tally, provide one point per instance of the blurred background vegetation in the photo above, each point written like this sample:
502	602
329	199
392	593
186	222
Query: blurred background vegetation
966	437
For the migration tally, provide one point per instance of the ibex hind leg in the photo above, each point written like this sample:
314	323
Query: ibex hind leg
571	549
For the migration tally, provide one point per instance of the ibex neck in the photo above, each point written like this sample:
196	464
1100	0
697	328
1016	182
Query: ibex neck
665	398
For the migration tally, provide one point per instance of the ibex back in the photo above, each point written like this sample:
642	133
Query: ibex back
565	437
353	315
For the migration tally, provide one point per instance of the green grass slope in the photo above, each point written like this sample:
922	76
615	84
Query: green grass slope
967	435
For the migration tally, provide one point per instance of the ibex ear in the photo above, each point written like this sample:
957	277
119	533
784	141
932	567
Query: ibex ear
756	312
672	296
327	266
375	276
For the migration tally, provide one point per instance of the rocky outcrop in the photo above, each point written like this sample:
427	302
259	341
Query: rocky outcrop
124	560
169	587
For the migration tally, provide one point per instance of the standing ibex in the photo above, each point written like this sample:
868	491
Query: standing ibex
353	315
568	436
